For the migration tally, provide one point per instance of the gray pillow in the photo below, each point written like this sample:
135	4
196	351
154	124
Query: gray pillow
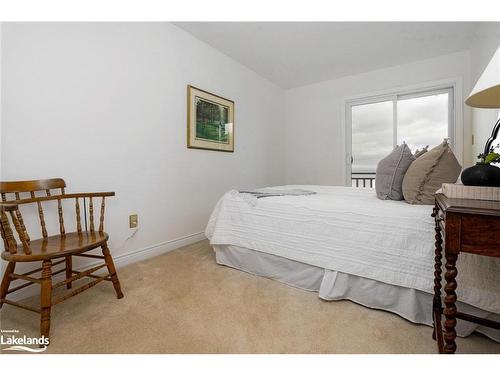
391	171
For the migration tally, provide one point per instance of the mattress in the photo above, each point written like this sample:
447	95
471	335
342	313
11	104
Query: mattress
411	304
350	231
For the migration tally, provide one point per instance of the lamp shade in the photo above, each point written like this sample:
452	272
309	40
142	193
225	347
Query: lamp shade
486	92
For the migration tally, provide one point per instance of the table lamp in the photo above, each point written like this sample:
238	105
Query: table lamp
486	94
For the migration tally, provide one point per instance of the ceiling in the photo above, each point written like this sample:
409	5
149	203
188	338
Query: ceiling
292	54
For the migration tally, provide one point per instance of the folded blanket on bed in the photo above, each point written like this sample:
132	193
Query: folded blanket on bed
272	192
351	231
251	196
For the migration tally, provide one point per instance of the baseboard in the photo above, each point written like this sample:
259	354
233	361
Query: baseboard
124	260
158	249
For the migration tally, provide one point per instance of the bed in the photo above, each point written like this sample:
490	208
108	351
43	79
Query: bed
345	243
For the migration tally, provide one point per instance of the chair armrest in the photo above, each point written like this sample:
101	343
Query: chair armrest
16	217
62	196
94	194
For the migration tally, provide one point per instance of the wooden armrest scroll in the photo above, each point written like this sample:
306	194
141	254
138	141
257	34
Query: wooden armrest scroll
6	207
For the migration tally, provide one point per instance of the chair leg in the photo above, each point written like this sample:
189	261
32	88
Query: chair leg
46	298
69	270
112	270
6	281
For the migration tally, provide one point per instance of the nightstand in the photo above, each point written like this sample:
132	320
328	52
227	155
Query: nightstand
470	226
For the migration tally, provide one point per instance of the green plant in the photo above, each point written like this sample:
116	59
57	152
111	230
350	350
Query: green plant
491	157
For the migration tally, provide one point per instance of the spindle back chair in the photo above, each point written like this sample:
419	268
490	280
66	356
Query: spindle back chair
16	194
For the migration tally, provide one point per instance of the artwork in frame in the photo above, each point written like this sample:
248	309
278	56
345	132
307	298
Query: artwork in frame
210	121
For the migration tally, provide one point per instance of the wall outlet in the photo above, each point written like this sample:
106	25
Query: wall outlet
132	221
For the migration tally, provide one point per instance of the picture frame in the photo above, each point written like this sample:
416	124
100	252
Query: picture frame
210	121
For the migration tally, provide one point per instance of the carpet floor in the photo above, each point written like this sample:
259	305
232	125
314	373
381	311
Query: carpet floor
183	302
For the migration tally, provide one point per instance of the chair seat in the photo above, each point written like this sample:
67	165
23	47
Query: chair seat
58	246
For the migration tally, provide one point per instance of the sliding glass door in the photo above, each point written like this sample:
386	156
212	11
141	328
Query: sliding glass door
376	125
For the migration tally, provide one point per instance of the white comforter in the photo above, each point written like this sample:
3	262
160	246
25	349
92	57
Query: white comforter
352	231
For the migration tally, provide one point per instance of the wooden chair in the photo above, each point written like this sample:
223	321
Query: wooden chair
59	248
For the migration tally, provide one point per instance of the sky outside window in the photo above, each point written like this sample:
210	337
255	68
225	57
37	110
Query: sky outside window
421	121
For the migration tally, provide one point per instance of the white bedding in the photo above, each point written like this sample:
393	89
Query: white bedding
352	231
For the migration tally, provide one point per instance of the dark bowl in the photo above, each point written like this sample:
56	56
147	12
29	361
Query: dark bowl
481	175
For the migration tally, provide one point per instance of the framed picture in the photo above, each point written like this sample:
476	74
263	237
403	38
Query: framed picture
210	123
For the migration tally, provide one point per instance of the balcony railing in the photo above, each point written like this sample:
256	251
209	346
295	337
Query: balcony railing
363	180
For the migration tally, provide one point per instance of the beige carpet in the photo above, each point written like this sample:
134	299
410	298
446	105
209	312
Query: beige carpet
183	302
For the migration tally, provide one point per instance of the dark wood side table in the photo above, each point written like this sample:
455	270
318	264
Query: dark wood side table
470	226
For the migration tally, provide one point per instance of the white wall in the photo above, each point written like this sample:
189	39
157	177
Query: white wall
313	119
104	107
488	40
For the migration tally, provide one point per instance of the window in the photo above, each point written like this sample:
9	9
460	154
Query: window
378	124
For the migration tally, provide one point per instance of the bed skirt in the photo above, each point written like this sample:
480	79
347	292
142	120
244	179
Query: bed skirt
411	304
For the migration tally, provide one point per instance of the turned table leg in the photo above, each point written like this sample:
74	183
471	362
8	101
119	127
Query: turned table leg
450	310
437	307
